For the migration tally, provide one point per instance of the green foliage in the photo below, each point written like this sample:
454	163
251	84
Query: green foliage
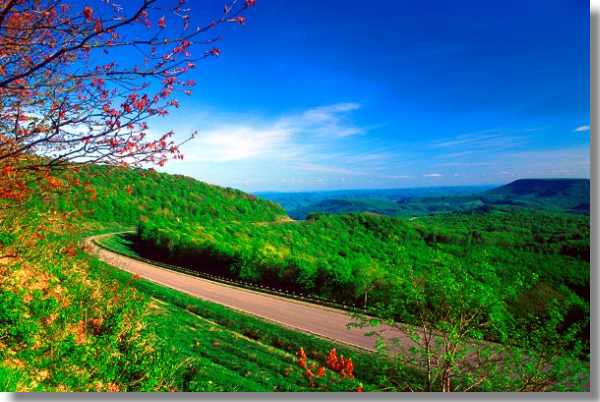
520	277
11	379
127	196
475	277
342	257
70	326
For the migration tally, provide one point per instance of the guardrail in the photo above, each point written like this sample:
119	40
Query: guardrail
243	284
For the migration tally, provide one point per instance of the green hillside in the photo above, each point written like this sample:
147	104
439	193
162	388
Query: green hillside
566	194
336	206
70	322
127	196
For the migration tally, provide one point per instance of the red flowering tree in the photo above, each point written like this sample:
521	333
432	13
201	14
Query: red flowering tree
78	81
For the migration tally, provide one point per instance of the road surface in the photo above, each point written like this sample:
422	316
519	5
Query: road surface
318	320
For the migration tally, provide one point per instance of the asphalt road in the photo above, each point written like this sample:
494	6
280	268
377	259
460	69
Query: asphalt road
318	320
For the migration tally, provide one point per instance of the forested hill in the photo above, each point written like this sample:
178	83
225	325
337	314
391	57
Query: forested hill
129	195
564	193
382	202
302	203
569	195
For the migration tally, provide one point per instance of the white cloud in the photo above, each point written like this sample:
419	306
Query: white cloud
232	143
328	121
326	113
312	167
466	144
432	175
303	136
581	128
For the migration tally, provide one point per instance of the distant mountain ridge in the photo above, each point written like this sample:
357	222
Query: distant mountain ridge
567	195
381	201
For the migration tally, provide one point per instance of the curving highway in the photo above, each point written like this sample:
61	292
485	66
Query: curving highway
318	320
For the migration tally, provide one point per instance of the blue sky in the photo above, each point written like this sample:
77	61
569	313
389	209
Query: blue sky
335	94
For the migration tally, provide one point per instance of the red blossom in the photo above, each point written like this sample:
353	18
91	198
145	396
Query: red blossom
301	354
57	73
87	13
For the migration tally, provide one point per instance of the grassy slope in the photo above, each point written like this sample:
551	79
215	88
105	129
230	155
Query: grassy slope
221	349
72	323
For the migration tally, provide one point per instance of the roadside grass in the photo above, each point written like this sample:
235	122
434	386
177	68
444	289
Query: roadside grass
66	325
236	351
121	242
70	322
374	370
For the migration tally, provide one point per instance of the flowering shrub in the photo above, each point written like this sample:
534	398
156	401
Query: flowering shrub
337	376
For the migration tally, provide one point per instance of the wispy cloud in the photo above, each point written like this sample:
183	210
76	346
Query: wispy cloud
565	162
299	136
482	141
329	121
432	175
322	141
239	142
312	167
457	154
466	164
468	139
581	128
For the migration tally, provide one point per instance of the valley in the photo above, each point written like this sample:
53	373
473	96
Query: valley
500	277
